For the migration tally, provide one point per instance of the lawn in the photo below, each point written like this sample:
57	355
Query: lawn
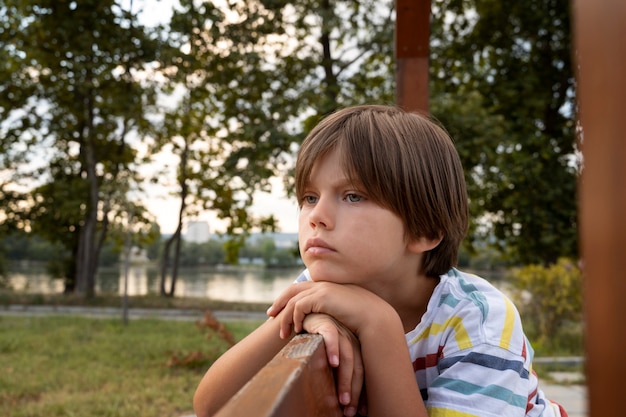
74	366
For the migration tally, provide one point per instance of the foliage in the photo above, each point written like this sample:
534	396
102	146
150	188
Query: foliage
198	359
550	298
71	98
22	246
231	88
505	70
99	367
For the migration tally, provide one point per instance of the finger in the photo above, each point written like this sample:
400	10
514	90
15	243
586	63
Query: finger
286	316
283	298
302	304
344	372
358	378
331	343
280	301
301	307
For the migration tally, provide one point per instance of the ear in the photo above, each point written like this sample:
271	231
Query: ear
423	244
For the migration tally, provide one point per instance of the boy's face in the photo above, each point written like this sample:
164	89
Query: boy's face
346	238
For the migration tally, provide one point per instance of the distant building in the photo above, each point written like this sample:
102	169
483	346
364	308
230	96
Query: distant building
286	240
137	255
197	232
281	240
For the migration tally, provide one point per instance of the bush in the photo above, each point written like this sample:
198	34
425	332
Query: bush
550	300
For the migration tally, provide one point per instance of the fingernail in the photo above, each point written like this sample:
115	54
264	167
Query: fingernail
349	411
269	311
345	399
334	361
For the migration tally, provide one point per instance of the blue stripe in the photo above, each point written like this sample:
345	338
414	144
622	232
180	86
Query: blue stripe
492	391
449	299
475	297
487	361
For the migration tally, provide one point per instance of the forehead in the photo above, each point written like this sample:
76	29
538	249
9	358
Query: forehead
331	166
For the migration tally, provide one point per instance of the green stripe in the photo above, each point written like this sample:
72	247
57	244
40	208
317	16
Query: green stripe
493	391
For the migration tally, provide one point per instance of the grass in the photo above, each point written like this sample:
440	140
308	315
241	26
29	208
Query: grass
75	366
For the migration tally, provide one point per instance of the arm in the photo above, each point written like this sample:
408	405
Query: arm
236	367
390	381
389	378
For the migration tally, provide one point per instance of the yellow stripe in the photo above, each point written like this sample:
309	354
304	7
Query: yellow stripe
460	333
444	412
509	318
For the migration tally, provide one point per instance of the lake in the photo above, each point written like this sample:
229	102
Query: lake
242	284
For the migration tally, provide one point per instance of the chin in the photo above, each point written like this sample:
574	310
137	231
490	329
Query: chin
320	275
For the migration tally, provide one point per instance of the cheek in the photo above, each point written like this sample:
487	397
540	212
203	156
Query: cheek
303	219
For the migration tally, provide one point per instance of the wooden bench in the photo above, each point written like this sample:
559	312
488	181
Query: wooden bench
297	382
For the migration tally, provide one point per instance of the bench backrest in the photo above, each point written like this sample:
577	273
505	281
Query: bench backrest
297	382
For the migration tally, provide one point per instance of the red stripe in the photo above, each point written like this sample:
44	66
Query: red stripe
531	400
428	361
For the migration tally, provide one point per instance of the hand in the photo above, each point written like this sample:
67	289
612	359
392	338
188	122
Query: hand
389	376
344	353
355	307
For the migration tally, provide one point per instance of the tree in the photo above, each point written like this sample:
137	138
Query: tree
250	73
203	131
70	100
509	63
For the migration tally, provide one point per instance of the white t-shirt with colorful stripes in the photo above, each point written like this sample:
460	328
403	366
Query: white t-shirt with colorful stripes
470	354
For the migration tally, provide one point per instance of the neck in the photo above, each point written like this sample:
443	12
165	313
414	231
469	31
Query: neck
412	303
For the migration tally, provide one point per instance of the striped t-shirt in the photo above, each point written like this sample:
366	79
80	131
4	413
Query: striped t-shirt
470	354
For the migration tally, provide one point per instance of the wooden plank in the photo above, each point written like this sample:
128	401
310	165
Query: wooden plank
297	382
600	36
412	37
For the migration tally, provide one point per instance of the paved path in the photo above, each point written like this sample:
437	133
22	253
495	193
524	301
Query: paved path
572	397
133	313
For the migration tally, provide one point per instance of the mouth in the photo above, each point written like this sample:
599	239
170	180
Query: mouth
316	245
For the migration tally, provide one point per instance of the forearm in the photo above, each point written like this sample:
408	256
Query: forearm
236	367
389	378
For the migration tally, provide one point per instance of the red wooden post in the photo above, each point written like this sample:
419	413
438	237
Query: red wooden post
600	33
412	50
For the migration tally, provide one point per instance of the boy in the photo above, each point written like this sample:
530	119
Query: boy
383	210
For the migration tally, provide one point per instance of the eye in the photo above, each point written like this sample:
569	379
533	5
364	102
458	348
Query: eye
353	198
309	199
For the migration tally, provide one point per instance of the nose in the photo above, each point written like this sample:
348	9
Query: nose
322	214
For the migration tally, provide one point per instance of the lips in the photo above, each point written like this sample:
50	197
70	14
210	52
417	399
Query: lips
317	246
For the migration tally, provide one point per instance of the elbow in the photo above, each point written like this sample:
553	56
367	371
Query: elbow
203	406
198	407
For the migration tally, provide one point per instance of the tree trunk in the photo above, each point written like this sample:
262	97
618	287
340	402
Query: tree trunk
86	262
177	237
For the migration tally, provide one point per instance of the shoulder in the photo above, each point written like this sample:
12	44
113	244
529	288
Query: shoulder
464	293
472	311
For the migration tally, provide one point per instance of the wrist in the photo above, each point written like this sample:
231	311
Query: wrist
382	322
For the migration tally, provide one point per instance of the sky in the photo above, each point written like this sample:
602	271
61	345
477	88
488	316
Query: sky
165	206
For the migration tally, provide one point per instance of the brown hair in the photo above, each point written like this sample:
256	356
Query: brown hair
406	163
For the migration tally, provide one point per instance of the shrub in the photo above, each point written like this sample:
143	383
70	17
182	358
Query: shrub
550	299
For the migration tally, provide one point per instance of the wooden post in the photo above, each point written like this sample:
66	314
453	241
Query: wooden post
297	382
600	36
412	49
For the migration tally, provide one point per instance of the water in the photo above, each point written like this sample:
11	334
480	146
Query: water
226	284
